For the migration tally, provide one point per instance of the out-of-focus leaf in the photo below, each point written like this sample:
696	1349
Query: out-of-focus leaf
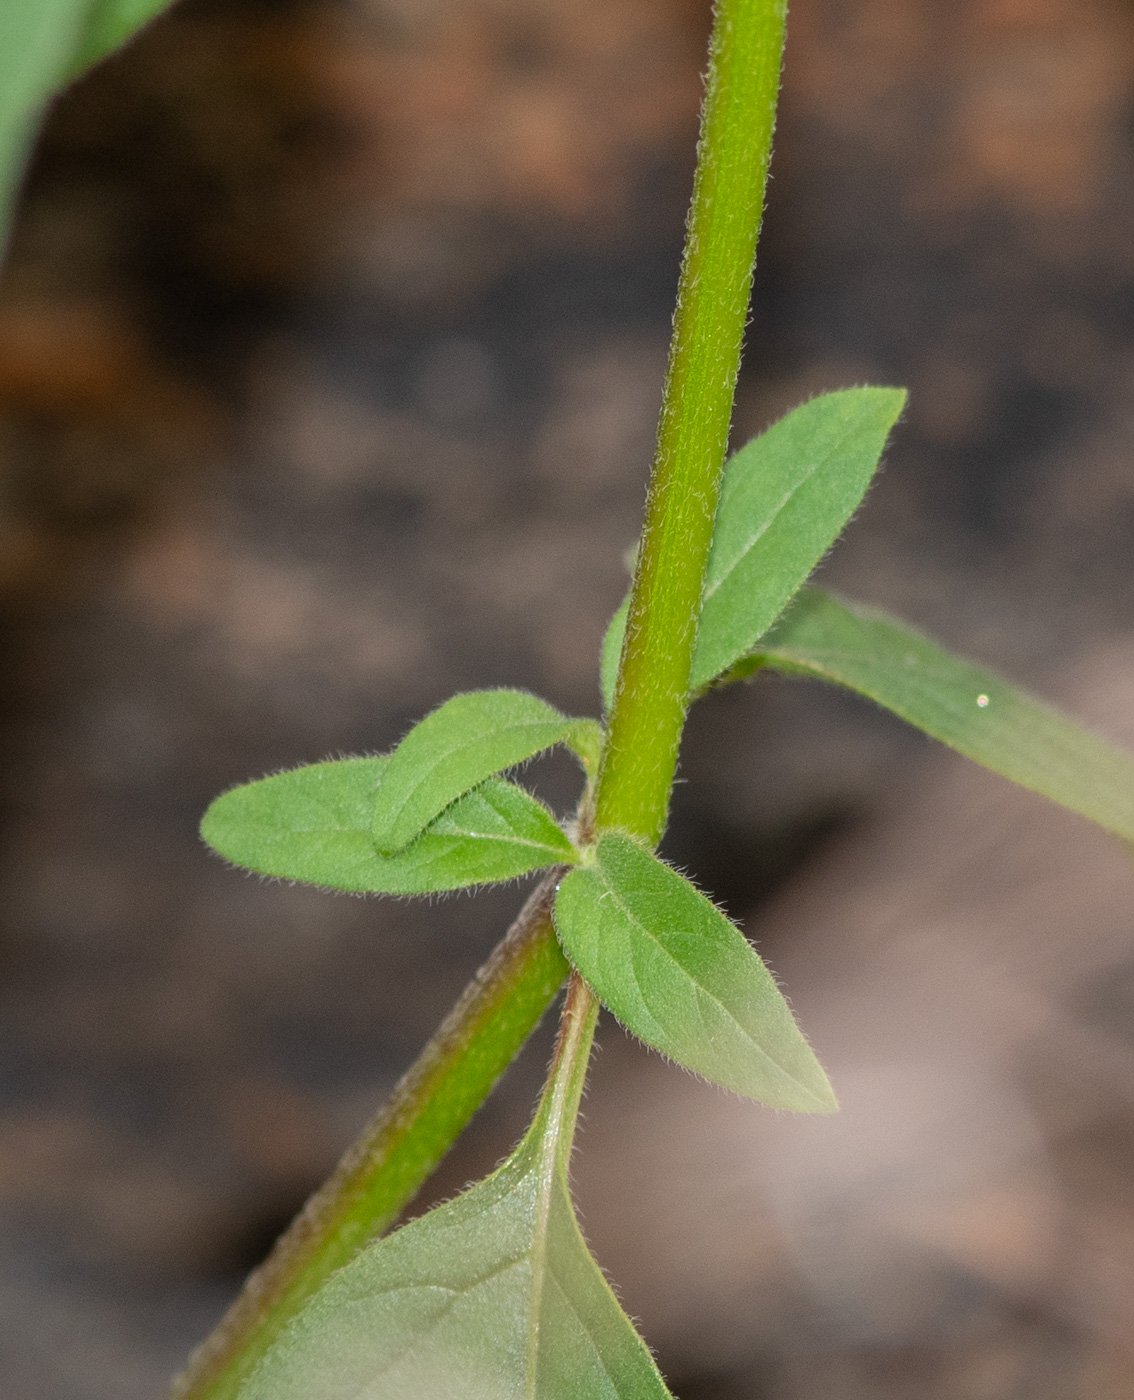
612	653
965	706
464	741
493	1296
784	499
313	824
684	978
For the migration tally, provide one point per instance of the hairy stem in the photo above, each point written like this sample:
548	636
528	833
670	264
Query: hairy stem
712	302
399	1149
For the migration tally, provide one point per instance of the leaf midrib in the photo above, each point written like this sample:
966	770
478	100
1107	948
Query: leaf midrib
466	835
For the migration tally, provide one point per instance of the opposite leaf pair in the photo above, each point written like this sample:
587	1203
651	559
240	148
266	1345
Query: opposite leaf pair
785	498
313	824
665	960
661	956
430	817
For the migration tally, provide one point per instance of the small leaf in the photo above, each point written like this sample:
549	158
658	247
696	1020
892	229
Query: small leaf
784	500
612	653
464	741
584	739
966	707
684	978
313	824
493	1296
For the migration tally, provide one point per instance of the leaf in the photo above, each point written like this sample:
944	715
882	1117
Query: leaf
684	978
965	706
313	824
464	741
43	44
785	498
612	653
493	1296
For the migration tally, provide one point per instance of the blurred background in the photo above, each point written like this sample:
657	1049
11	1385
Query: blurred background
331	343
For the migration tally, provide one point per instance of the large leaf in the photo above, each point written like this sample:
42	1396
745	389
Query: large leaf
43	43
461	743
784	500
493	1296
684	978
965	706
313	824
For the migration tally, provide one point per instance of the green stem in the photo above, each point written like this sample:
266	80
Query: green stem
382	1173
712	303
384	1169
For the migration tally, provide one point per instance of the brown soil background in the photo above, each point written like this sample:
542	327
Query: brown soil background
330	347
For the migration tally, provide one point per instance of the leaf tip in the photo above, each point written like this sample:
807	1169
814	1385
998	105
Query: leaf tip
826	1101
212	825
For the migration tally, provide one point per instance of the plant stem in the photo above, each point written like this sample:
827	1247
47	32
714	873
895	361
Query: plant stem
399	1149
712	302
382	1173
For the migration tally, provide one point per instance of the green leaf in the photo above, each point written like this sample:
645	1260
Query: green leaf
684	978
313	824
466	740
110	24
493	1296
965	706
784	500
612	653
